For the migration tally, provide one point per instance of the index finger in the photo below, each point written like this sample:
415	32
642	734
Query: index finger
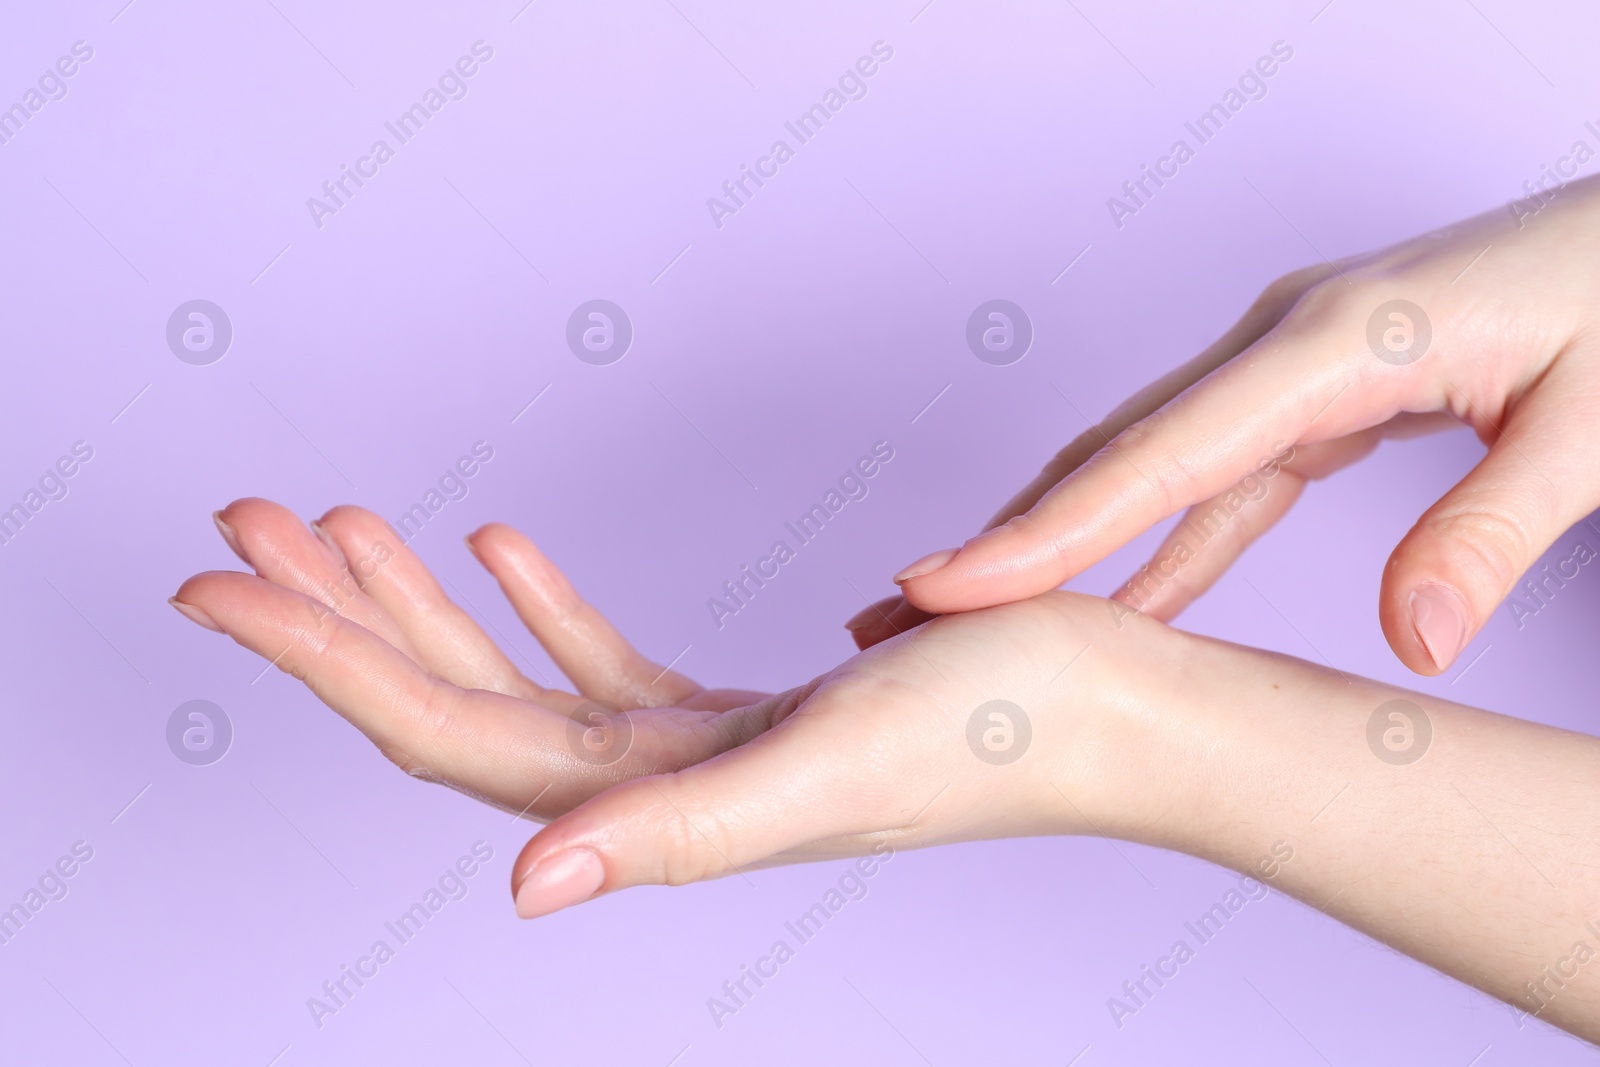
1245	415
1268	310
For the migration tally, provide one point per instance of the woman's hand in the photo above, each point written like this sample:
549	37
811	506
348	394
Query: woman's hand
1494	322
917	742
347	608
1459	837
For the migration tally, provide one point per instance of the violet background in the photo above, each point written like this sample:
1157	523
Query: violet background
823	317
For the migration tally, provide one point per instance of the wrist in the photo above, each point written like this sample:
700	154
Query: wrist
1188	743
1129	717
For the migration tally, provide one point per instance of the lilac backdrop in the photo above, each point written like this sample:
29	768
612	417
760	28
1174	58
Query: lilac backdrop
431	308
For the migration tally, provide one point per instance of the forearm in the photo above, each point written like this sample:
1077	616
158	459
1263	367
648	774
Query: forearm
1473	850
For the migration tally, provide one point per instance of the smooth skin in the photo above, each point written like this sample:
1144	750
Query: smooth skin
1479	858
1514	305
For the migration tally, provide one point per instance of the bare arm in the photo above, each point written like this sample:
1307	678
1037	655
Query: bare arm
1462	838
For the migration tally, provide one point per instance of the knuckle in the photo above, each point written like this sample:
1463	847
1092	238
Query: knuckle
1319	304
1135	439
1498	544
404	760
1337	299
435	720
1144	444
691	848
1036	537
1026	525
1072	455
1282	292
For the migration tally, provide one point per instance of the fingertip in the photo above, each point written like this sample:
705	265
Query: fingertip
246	510
195	615
244	501
329	543
1436	595
496	540
496	531
939	593
1010	562
1441	623
886	618
933	561
195	587
558	880
229	534
873	633
335	513
249	513
511	555
352	520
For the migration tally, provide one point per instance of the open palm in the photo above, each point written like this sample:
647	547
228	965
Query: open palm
673	782
347	608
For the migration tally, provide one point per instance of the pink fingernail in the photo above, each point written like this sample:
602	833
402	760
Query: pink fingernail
327	539
559	881
926	565
1439	617
195	615
229	535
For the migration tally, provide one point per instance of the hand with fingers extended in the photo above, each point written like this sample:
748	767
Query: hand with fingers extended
347	608
1049	716
1494	322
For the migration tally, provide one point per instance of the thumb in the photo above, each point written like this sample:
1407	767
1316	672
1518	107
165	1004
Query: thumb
1467	552
712	819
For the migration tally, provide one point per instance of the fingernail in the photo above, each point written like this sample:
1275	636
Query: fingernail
926	565
327	539
559	881
194	614
866	617
467	540
229	535
1439	616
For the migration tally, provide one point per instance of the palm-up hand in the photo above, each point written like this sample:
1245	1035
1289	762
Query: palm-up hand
357	616
876	751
